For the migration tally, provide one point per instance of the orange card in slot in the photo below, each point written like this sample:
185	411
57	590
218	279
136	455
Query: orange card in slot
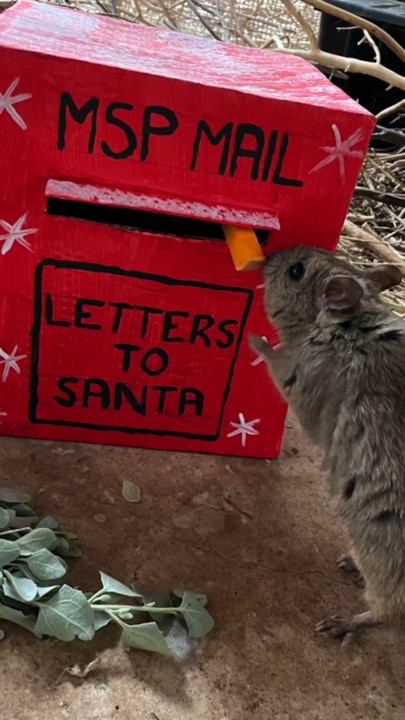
244	247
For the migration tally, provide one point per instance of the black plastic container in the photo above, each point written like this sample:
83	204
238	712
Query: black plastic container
370	92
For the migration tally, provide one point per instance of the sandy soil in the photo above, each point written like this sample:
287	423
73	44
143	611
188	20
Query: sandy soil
258	537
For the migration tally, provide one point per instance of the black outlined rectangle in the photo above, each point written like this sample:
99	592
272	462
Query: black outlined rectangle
116	271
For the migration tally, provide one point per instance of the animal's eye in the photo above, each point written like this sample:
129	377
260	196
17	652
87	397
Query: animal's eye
296	271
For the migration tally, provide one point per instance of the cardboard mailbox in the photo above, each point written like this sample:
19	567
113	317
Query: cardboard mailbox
123	151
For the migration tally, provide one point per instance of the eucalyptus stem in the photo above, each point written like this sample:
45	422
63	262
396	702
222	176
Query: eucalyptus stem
109	609
96	595
15	531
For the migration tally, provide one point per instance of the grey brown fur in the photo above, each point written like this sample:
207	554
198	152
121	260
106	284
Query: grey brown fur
341	367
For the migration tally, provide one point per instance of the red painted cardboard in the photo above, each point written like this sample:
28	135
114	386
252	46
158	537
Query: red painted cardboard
120	321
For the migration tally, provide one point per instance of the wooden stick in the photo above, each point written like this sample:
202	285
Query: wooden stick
372	242
394	137
363	67
390	110
353	19
380	196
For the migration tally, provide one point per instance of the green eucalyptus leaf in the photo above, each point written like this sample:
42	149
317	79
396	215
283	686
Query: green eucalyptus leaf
36	540
11	513
19	588
158	598
22	522
196	617
61	546
23	566
101	619
48	522
32	582
145	636
20	605
19	618
114	586
14	495
8	551
4	518
23	510
65	548
42	591
66	615
67	535
73	552
46	566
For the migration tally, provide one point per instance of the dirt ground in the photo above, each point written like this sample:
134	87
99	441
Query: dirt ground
258	537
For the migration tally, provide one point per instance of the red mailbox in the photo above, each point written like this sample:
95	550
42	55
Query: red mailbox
123	151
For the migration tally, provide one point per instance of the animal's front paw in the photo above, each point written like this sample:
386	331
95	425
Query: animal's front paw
337	628
259	345
346	563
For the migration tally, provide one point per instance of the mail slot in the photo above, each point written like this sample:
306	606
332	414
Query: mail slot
129	158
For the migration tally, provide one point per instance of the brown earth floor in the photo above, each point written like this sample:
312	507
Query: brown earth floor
258	537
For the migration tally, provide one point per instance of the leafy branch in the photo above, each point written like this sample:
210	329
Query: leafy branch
35	593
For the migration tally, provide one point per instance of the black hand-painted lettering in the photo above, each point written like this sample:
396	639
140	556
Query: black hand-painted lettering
49	313
123	391
269	154
277	178
112	119
230	337
168	325
70	398
206	321
118	314
162	390
80	314
148	129
244	130
126	355
96	387
145	318
224	134
163	359
191	396
79	115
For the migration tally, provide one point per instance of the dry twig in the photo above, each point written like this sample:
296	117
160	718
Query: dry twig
372	243
347	64
360	22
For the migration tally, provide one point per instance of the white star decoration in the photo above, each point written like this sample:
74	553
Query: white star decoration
15	233
341	150
8	100
243	428
10	361
259	359
259	287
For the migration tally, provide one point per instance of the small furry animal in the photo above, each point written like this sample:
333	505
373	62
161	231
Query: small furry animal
341	367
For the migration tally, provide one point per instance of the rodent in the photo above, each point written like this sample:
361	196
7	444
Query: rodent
340	365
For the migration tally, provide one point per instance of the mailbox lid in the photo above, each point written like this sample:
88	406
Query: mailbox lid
96	101
67	33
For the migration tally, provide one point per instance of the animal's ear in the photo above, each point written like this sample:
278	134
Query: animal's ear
384	276
341	292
